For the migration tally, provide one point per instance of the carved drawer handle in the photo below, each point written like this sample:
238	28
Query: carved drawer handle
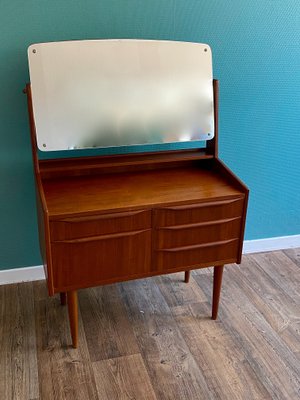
198	246
198	224
101	237
102	216
201	205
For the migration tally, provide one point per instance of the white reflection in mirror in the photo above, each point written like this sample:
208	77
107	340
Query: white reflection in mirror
115	93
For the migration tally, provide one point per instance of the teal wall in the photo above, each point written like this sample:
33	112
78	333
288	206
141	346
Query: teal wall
256	57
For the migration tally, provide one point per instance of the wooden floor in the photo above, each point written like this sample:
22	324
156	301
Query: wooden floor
153	339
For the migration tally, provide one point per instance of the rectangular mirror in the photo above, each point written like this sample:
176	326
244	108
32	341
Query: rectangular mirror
102	93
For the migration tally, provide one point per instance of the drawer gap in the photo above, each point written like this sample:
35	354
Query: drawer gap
101	237
199	224
199	246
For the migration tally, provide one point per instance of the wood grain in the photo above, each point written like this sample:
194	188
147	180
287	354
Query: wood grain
18	350
218	274
154	339
177	294
107	328
279	268
64	372
294	255
94	165
72	301
126	191
167	358
123	378
187	275
215	350
84	262
267	354
280	311
103	224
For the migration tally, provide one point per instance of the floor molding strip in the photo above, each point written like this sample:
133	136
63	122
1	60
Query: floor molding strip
271	244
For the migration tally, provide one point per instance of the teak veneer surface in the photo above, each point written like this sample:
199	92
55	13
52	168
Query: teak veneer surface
90	165
129	190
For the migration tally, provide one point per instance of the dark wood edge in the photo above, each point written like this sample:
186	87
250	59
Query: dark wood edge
200	204
243	228
45	236
34	148
231	175
154	235
144	275
198	246
99	238
60	217
227	171
32	131
212	145
113	164
72	166
112	159
197	224
105	216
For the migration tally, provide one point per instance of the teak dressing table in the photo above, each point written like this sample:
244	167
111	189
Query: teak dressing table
106	219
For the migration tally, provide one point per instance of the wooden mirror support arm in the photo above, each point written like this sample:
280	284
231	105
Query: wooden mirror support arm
164	212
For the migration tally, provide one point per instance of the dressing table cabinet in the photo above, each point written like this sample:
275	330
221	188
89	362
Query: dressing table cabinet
112	218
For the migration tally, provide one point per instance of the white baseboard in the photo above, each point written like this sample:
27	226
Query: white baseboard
271	244
28	274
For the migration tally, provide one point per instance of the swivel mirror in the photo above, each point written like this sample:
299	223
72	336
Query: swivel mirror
100	93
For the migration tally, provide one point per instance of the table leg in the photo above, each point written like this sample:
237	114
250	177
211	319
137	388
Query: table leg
218	273
187	275
73	316
63	298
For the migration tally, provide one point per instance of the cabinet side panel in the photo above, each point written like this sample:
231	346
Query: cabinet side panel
44	242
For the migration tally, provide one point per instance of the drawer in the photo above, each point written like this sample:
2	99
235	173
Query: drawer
90	261
197	233
197	255
200	212
80	227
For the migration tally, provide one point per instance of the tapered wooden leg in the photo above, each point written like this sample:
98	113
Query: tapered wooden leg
73	316
218	273
187	275
63	298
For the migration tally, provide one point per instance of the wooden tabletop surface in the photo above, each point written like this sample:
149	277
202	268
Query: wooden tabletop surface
129	190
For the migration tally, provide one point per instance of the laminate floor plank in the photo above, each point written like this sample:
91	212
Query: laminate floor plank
64	372
123	378
224	365
294	255
178	293
18	353
153	338
172	369
267	354
280	269
107	328
278	308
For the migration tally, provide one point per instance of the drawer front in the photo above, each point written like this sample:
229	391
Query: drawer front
200	212
88	262
197	255
80	227
196	233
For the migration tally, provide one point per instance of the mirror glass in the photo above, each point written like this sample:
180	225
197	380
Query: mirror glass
102	93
